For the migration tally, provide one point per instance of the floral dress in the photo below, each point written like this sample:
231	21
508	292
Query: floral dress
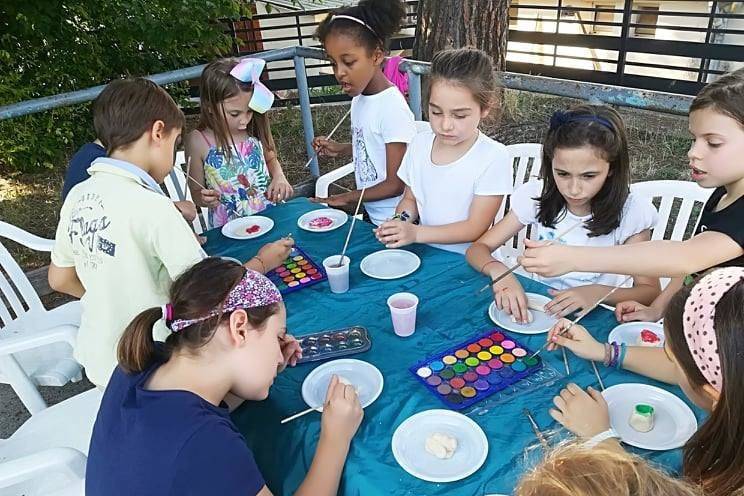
241	180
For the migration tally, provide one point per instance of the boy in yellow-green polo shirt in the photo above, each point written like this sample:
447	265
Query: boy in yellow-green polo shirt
120	242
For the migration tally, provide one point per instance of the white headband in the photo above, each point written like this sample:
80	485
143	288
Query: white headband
355	19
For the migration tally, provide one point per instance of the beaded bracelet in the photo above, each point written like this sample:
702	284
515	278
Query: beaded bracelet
621	359
263	265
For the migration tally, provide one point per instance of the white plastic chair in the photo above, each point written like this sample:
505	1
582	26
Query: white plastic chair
680	207
526	159
35	343
175	185
48	453
323	182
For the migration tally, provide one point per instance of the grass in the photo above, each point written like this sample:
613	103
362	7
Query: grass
658	146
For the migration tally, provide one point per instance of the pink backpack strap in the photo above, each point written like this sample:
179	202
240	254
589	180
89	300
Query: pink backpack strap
205	137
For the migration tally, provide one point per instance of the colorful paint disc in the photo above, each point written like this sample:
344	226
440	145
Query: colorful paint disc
496	350
471	362
460	368
298	258
462	354
423	372
518	366
519	352
484	356
447	373
506	372
497	337
434	380
507	358
457	382
449	360
531	361
508	344
468	392
293	284
444	389
485	342
494	378
496	364
470	376
481	385
436	366
474	348
482	370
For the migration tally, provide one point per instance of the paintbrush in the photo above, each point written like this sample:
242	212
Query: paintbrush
584	313
538	434
516	266
298	415
314	155
565	361
353	220
596	373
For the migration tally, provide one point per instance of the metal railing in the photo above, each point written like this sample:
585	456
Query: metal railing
669	46
627	97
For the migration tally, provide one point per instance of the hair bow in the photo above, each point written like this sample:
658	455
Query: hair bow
249	71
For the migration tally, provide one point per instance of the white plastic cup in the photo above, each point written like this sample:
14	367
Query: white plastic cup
403	312
338	277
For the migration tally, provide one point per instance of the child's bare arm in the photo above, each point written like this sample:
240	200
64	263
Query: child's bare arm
196	149
652	258
65	280
483	209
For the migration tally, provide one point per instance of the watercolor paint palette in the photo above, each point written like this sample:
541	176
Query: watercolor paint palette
336	343
297	272
476	369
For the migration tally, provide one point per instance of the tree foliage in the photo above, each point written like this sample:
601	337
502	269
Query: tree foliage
49	47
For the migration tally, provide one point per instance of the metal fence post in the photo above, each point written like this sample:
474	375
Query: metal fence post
414	93
307	117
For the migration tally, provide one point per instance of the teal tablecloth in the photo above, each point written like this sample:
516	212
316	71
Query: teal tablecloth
449	311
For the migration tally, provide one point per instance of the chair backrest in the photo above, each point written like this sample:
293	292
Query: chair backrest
17	295
525	159
680	205
175	185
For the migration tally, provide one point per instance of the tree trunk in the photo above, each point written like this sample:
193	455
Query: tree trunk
444	24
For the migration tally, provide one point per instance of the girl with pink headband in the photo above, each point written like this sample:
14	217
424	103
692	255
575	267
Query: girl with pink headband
164	425
703	354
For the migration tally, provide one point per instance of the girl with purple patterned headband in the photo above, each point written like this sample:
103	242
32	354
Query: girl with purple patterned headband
704	329
582	196
164	424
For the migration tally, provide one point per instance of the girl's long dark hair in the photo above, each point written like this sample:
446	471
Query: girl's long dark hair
714	455
612	144
195	293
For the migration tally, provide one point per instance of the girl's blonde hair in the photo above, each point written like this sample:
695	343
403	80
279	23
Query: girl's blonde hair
217	85
575	470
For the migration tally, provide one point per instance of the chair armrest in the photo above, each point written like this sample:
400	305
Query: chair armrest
324	181
16	341
67	460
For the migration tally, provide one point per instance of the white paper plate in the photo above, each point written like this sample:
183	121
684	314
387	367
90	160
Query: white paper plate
366	378
236	228
409	440
630	332
541	322
674	422
390	264
338	217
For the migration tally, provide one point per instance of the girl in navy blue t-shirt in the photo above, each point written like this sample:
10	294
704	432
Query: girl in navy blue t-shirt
164	428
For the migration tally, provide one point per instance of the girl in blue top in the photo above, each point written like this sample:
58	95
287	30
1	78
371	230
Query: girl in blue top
232	154
164	428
